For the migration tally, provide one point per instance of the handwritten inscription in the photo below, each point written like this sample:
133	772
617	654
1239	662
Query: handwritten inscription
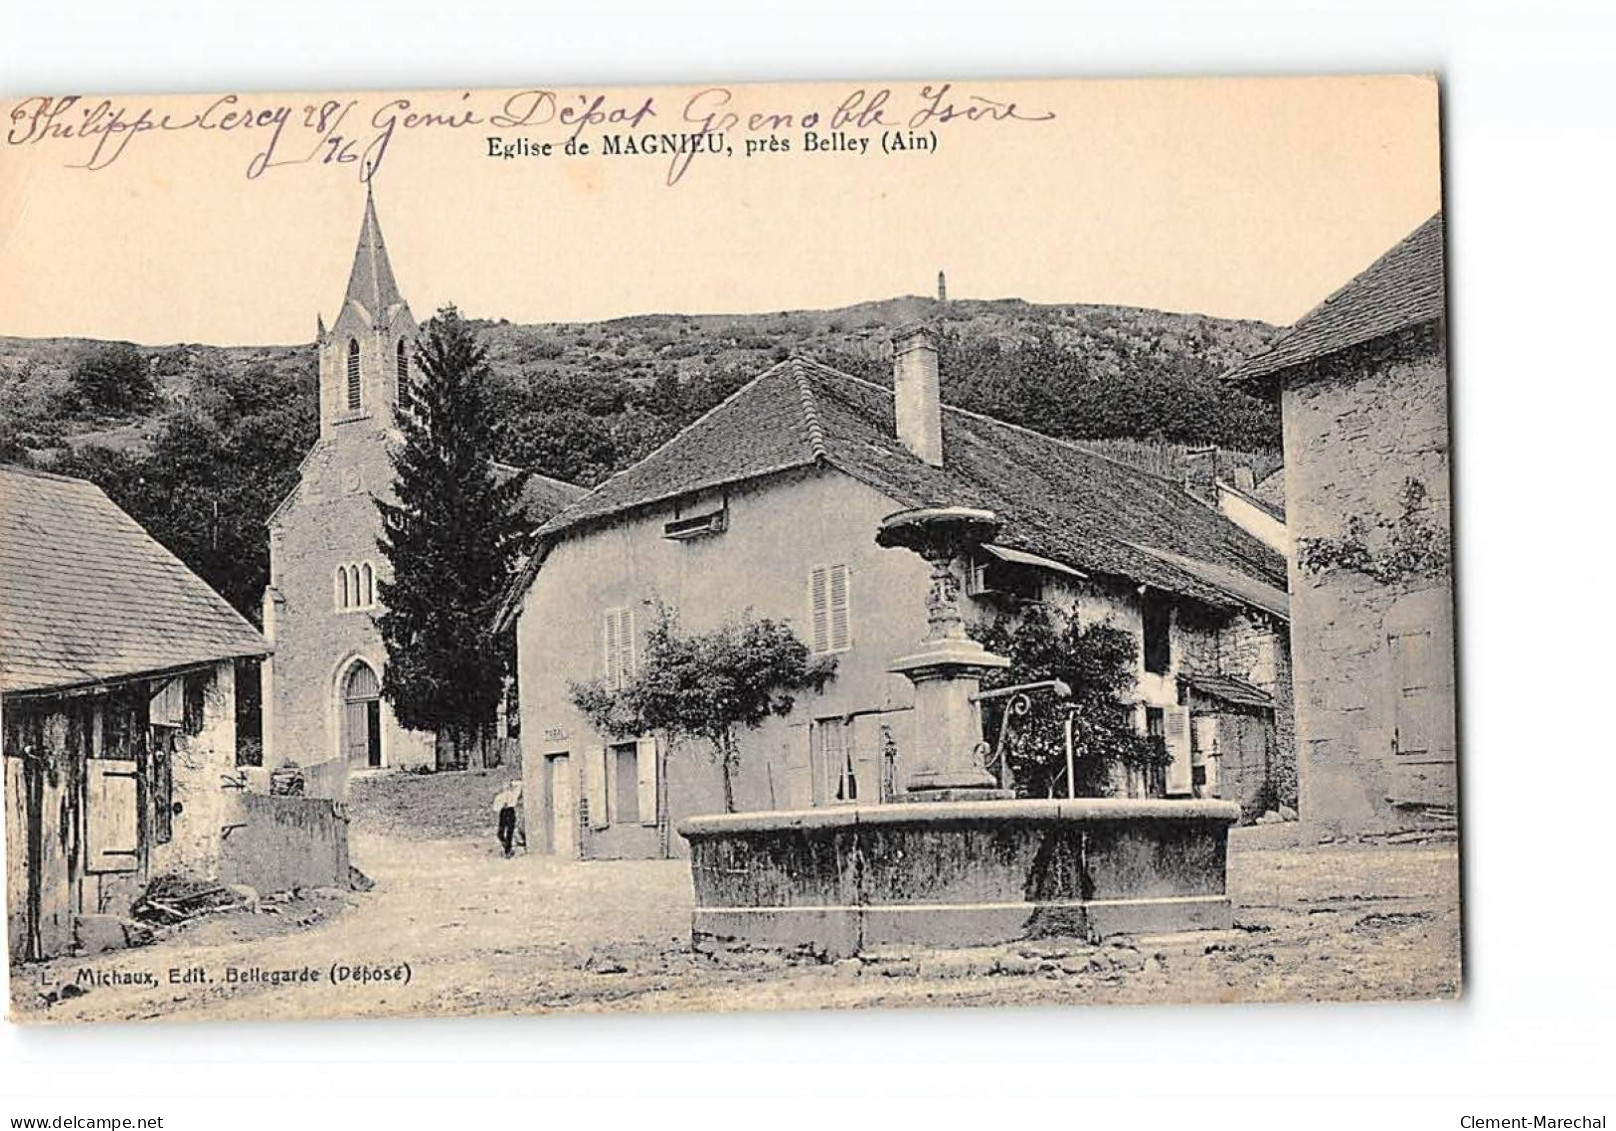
94	134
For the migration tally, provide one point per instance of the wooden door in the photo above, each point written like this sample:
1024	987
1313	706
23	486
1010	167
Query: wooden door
561	808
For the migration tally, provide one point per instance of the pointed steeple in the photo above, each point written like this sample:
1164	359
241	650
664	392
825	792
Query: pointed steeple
371	283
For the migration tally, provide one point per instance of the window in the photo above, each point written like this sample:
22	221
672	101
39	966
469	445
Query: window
356	586
353	375
828	604
1158	617
618	640
403	374
831	755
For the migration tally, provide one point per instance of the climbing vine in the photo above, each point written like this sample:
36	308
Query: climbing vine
1407	548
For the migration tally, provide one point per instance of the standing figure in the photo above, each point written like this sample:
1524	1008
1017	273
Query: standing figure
506	805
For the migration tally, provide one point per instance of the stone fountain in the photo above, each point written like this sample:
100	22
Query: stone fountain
960	862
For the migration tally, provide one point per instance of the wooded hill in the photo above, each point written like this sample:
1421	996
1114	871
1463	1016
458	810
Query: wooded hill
200	443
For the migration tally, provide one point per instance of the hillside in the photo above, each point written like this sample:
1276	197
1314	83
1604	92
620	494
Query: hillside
212	440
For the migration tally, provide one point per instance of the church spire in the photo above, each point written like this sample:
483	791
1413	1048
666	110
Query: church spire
371	283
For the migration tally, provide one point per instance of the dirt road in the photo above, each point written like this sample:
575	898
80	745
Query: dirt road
451	927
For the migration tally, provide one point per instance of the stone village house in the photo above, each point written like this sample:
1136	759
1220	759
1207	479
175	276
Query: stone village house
117	667
1362	381
771	502
322	688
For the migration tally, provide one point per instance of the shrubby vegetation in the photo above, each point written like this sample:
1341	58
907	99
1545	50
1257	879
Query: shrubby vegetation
201	443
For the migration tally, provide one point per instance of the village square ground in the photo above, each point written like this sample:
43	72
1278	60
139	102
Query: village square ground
1353	920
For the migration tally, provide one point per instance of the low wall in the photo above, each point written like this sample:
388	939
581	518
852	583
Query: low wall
959	873
281	843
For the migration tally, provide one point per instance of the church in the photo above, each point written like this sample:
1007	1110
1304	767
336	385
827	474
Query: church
322	703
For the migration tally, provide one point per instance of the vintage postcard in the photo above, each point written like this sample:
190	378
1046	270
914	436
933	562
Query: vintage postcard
727	547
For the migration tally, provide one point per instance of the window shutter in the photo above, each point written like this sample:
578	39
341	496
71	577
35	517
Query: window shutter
819	600
112	796
613	676
168	705
840	630
798	785
1206	737
645	757
625	645
595	786
1180	775
1415	705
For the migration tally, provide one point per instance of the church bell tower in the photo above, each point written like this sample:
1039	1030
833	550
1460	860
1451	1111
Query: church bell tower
367	356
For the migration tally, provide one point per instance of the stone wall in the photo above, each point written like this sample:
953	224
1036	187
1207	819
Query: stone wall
282	843
332	520
1356	431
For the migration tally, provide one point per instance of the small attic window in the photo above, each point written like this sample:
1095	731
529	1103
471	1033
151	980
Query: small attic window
353	374
697	525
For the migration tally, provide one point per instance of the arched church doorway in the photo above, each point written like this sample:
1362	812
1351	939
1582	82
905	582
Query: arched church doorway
362	716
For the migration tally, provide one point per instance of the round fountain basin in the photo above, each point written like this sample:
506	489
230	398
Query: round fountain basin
968	873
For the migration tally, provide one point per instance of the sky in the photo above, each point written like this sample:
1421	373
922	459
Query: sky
1242	198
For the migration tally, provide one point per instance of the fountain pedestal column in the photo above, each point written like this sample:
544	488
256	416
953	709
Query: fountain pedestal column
947	668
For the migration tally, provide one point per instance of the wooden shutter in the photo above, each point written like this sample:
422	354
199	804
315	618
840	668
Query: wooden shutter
797	786
840	626
819	603
168	705
595	786
610	651
646	758
1411	685
112	820
1180	774
625	645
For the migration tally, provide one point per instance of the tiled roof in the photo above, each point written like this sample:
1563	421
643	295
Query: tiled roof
542	497
1056	499
87	596
1230	689
1403	288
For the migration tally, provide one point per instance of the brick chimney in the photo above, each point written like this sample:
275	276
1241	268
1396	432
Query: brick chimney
916	395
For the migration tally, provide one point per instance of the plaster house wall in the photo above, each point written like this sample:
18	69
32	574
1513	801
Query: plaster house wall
776	533
1254	519
1355	430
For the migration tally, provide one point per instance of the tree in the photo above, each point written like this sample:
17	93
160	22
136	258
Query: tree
112	377
453	537
1097	662
708	686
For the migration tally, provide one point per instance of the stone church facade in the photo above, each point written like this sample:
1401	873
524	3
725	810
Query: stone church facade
321	688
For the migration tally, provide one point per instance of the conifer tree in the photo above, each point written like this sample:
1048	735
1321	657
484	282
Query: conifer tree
452	535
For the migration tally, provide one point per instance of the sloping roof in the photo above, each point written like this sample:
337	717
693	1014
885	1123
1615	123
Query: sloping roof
1230	689
370	282
1403	288
1055	499
87	596
542	497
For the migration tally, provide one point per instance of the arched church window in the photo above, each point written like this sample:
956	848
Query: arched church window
403	374
353	373
342	587
367	591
